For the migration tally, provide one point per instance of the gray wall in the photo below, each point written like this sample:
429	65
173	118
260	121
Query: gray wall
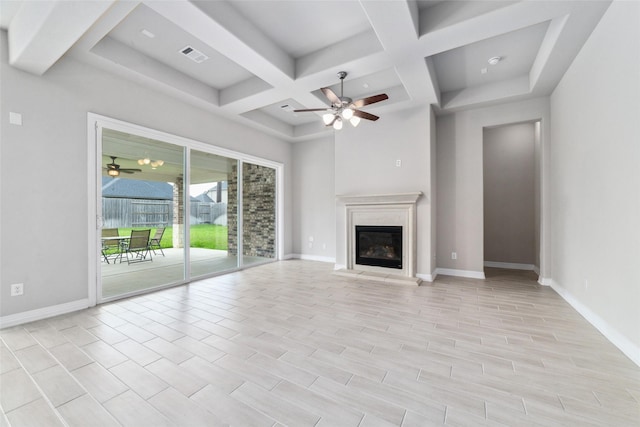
460	218
509	193
595	169
46	249
314	199
366	164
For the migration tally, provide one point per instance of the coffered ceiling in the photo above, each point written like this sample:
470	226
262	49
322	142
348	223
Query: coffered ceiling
257	60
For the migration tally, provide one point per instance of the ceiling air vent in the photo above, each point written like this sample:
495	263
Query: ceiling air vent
193	54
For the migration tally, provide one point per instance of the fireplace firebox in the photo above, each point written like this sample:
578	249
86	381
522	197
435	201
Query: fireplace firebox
379	246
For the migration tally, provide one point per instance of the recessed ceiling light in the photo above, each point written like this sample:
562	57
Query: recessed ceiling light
494	60
365	85
483	70
148	33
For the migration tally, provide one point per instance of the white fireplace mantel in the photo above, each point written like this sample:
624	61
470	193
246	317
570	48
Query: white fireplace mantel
379	199
398	209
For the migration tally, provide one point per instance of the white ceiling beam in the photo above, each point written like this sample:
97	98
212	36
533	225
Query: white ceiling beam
551	38
272	123
42	31
363	45
220	26
449	13
556	59
101	28
495	22
394	22
396	25
225	30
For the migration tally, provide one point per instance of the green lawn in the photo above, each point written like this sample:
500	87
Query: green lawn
202	236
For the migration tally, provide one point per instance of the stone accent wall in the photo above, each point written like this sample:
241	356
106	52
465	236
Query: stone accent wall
259	218
232	211
178	213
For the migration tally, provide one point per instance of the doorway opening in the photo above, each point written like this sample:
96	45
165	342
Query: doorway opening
511	181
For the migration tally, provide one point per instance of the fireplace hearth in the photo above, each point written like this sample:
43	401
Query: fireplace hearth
379	246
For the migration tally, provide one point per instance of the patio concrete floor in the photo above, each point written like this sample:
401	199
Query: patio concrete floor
121	278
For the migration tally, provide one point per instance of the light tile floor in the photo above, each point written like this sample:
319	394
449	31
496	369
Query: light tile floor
290	343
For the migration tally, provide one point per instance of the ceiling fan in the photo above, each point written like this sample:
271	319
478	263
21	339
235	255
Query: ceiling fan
114	169
344	108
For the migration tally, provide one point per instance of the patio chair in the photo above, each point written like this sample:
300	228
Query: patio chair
137	249
154	243
109	244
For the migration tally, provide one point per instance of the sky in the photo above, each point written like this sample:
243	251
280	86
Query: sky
198	189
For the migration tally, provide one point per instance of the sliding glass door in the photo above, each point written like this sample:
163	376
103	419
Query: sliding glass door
171	209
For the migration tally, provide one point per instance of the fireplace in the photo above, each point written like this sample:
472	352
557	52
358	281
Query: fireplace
379	246
380	237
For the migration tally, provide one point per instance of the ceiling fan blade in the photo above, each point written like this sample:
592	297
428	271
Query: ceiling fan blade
130	170
370	100
365	115
311	109
331	96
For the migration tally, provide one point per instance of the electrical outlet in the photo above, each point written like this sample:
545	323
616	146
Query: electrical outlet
17	289
454	255
398	163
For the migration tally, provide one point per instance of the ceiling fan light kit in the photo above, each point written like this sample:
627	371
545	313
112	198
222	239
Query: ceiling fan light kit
114	169
344	108
147	161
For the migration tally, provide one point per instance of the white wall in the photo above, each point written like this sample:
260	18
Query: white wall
365	163
43	169
460	181
595	170
314	200
509	193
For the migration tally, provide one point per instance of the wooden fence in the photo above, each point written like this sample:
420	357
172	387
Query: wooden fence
133	213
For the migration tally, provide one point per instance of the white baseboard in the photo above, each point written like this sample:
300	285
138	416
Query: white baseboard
460	273
427	277
42	313
289	256
544	281
314	258
339	267
510	265
536	269
631	350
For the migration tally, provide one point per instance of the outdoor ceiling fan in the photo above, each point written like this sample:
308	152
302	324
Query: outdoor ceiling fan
114	169
344	108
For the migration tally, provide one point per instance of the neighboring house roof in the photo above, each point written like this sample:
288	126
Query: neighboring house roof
136	189
203	198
